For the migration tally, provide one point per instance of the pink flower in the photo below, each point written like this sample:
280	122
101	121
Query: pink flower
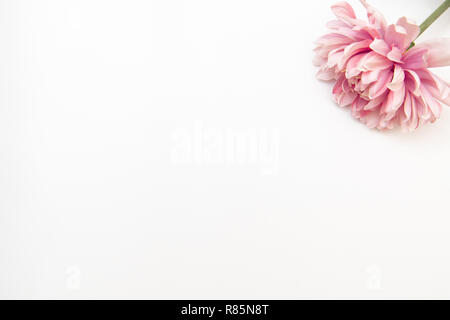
384	83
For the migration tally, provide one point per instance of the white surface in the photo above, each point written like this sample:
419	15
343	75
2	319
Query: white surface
101	197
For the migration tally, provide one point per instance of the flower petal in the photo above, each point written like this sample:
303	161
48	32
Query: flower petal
414	122
373	61
407	107
370	119
325	73
374	103
336	24
437	87
351	50
412	29
438	52
352	66
357	106
395	55
397	79
380	86
415	58
394	100
343	10
337	88
396	36
370	76
380	46
375	17
431	102
334	57
412	82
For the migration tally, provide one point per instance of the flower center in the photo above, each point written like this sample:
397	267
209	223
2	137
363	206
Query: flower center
358	87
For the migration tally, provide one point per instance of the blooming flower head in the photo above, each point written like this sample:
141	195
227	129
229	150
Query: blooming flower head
384	81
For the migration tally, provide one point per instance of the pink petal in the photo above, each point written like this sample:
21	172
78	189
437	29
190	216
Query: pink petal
358	105
414	122
352	66
398	79
346	98
380	46
412	82
354	33
394	100
370	76
412	29
423	112
337	88
334	57
407	107
380	86
444	90
330	39
323	52
373	103
326	74
431	102
438	52
370	119
415	58
357	47
354	48
438	88
336	24
395	55
396	36
366	29
375	17
373	61
361	87
343	10
318	60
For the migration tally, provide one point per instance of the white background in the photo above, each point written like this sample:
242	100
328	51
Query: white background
115	181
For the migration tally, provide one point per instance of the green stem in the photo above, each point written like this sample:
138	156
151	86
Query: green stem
432	18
